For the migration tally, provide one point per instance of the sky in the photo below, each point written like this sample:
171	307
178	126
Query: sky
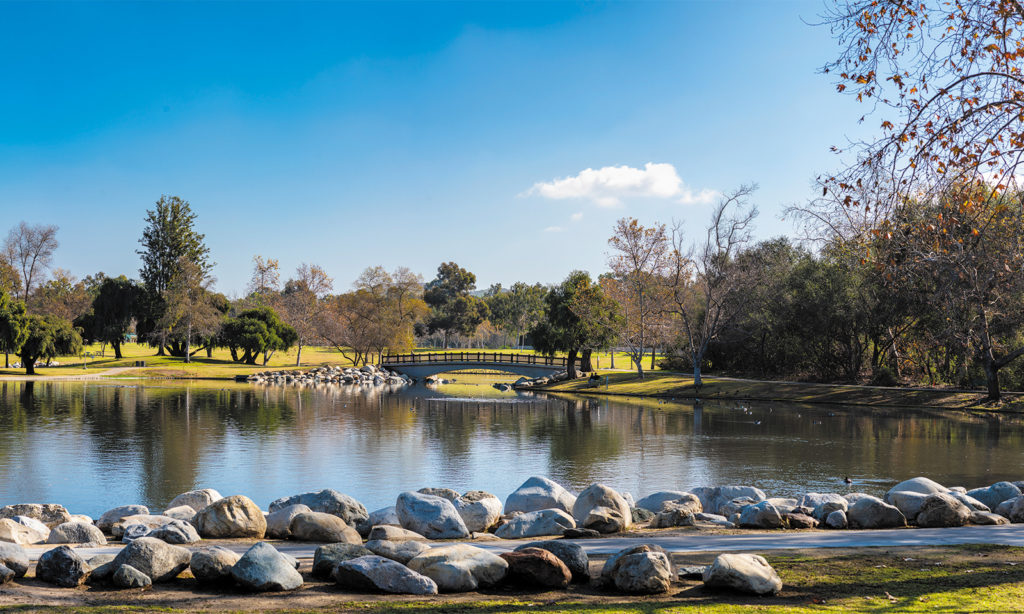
507	137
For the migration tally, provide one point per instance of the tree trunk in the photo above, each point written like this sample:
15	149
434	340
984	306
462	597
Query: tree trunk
117	349
697	381
585	363
298	357
992	380
611	355
7	360
209	351
30	365
652	359
571	364
188	342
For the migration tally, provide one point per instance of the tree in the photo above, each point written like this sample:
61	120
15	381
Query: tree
453	310
516	310
113	311
301	303
266	277
10	281
62	296
168	240
30	250
578	318
707	284
254	332
190	311
639	264
47	337
12	325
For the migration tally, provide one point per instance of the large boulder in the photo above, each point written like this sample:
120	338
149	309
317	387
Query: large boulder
536	567
873	513
1003	509
601	508
176	532
262	568
213	564
539	493
394	534
50	514
196	499
644	569
969	501
183	513
761	515
34	524
321	527
673	517
430	516
234	516
14	532
1014	509
6	574
655	502
76	533
573	555
403	552
327	557
747	573
127	576
385	515
479	510
812	500
444	493
160	561
327	501
150	521
460	567
279	522
921	485
795	520
987	518
62	566
109	517
836	520
377	573
995	494
536	524
943	510
15	558
712	498
907	502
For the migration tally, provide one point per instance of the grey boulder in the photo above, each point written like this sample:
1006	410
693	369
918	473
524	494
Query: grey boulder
573	555
921	485
127	576
746	573
536	524
377	573
995	494
460	567
643	569
539	493
327	501
907	502
50	514
712	498
873	513
602	509
262	568
836	520
176	532
321	527
430	516
235	516
160	561
943	510
62	566
76	533
196	499
181	512
761	515
15	558
479	510
327	557
279	522
655	501
213	564
109	517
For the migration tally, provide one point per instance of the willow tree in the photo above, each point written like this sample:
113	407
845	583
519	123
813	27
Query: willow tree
578	320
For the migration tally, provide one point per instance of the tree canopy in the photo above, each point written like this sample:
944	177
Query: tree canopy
47	337
254	332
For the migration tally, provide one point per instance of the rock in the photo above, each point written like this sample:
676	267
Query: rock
995	494
262	568
761	515
919	485
873	513
430	516
160	561
15	558
536	524
578	533
149	521
1003	509
76	533
644	569
943	510
176	532
799	521
6	574
539	493
385	515
403	552
184	513
853	497
572	555
600	508
17	533
836	520
654	502
213	564
327	557
235	516
460	567
62	566
33	524
1015	509
479	510
279	522
714	519
747	573
444	493
134	531
109	517
813	500
196	499
640	515
673	518
102	573
907	502
382	574
127	576
394	534
327	501
49	514
987	518
969	501
321	527
712	498
537	567
785	505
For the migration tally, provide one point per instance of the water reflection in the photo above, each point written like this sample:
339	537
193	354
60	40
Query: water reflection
92	446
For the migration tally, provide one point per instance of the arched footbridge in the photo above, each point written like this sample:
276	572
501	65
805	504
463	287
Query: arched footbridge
423	364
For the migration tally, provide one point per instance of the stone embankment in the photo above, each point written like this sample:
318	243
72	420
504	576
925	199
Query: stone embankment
526	383
387	550
368	375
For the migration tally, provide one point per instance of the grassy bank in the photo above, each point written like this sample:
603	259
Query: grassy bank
924	579
680	386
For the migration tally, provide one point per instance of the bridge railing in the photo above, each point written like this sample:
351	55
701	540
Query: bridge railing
474	357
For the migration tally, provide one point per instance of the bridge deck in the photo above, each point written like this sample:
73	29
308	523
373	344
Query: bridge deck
434	358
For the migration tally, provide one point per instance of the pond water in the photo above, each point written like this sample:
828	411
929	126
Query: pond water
91	446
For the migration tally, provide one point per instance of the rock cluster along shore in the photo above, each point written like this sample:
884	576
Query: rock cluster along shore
387	550
525	383
368	375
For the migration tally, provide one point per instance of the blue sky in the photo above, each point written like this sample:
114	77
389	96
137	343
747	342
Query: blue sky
406	134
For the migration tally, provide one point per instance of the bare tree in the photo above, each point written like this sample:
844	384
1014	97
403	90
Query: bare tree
190	311
266	276
707	282
302	303
30	249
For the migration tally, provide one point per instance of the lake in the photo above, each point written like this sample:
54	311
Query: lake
94	445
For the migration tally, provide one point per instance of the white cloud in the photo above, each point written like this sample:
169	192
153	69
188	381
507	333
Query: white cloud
576	216
553	229
607	186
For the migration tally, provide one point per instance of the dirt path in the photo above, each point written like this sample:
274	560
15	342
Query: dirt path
66	378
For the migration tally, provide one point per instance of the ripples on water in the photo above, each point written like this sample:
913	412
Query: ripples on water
91	446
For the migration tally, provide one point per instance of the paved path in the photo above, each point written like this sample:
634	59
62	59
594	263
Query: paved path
73	377
1006	535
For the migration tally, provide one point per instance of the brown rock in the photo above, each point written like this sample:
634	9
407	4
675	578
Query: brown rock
536	567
